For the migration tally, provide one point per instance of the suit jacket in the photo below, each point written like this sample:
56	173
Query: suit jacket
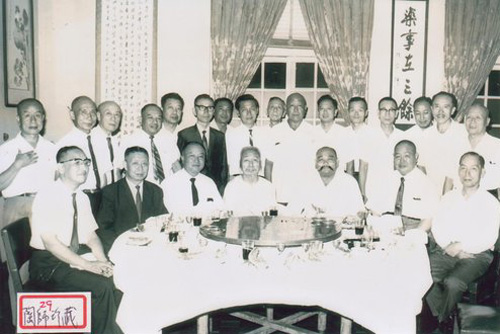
118	212
216	160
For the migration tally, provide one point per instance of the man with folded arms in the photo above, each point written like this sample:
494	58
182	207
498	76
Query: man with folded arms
188	192
105	142
330	191
129	201
465	228
408	192
62	230
84	116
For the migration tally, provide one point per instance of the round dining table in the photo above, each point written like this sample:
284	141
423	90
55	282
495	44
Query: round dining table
164	282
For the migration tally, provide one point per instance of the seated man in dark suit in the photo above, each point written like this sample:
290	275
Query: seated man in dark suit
129	201
213	140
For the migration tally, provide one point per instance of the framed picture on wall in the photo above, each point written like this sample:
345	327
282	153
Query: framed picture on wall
19	64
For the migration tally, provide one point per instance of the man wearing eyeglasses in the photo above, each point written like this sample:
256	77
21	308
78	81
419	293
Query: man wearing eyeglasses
212	140
385	137
62	231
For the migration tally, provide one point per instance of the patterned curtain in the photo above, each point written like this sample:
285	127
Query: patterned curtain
241	31
472	45
340	32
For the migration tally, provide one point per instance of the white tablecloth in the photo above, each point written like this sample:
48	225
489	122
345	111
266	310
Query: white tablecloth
380	290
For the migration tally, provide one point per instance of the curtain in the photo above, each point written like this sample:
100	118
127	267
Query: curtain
472	45
241	31
340	32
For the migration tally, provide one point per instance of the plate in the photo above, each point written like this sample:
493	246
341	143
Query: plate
138	240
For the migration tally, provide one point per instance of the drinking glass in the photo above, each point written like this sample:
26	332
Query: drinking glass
247	246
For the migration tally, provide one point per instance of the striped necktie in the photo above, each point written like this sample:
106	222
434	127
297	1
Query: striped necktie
250	137
138	202
205	141
74	244
94	163
157	165
398	208
111	157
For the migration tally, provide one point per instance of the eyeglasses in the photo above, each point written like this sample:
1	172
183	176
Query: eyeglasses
205	108
78	161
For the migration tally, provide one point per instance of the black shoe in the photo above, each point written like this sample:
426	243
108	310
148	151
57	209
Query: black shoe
446	326
426	322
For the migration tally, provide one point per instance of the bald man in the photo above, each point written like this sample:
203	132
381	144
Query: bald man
105	142
292	150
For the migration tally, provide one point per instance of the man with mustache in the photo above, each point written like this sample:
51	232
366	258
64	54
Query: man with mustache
330	191
408	192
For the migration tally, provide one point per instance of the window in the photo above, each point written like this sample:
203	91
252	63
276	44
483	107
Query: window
490	97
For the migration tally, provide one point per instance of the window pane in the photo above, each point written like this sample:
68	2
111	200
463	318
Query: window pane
481	92
304	75
494	84
321	79
257	78
494	108
275	75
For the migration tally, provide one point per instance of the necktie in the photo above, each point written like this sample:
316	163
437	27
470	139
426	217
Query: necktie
205	141
194	192
74	244
111	157
157	166
398	208
138	202
251	137
94	164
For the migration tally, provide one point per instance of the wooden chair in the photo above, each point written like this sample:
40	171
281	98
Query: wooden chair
16	238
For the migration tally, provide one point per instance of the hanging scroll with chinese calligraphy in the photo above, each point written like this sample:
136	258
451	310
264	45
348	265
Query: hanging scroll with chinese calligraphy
409	45
126	56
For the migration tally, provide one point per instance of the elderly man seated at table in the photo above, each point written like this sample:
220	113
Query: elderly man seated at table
249	194
408	193
130	200
188	192
330	191
63	229
465	228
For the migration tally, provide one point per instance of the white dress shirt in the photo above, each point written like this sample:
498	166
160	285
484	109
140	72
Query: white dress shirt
360	143
420	196
239	137
339	198
32	178
177	194
53	213
291	154
417	136
76	137
103	154
165	142
247	199
337	137
473	221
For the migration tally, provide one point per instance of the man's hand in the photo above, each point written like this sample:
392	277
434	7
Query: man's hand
25	159
453	249
100	268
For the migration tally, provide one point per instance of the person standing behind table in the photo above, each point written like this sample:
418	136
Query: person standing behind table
408	192
159	144
246	134
249	194
328	133
465	229
188	192
212	140
423	121
476	120
291	151
444	142
223	114
329	191
62	230
275	111
129	201
173	106
105	141
84	116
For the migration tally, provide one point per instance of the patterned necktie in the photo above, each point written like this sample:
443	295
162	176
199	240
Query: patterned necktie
398	208
205	141
138	202
157	165
194	192
111	157
74	244
94	164
251	137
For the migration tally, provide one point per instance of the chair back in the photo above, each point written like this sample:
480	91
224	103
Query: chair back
16	238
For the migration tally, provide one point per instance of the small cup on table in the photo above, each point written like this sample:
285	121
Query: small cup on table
247	246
